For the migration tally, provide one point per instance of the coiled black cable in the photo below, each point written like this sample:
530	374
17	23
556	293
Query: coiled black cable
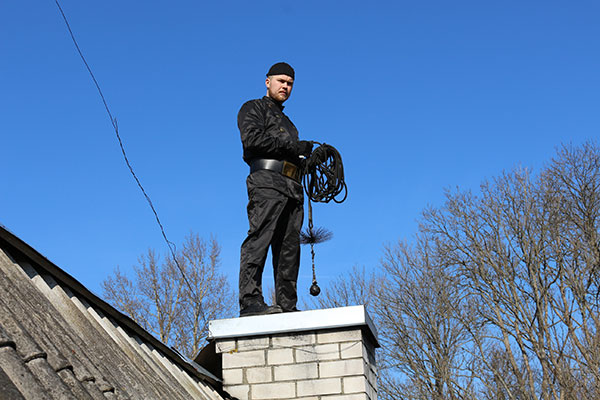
323	179
324	175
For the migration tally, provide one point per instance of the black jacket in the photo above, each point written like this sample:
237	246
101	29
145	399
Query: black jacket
267	132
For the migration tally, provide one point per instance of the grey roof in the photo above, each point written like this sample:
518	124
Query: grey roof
60	341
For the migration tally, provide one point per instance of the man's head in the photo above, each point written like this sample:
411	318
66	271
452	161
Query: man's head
280	80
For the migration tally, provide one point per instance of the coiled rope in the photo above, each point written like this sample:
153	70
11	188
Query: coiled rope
323	181
324	175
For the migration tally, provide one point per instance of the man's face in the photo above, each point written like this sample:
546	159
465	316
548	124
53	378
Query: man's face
279	87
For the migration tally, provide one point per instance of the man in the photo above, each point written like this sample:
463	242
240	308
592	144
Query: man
275	197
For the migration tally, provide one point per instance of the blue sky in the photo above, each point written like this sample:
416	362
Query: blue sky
416	96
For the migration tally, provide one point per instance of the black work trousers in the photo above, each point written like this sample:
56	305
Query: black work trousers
275	221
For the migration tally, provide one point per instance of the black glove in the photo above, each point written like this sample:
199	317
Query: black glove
305	148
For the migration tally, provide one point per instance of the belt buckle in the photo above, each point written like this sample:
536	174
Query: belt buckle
290	170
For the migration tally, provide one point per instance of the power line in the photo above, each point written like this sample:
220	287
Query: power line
113	121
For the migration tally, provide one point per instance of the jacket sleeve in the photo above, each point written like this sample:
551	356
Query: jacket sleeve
260	139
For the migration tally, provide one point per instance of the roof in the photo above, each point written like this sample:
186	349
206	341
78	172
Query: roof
60	341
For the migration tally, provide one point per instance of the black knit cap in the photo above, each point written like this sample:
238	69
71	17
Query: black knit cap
281	68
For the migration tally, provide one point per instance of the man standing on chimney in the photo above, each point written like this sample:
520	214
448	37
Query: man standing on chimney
275	197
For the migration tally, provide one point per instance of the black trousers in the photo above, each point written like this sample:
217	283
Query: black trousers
275	221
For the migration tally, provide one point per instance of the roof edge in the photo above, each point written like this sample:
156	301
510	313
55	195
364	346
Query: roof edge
74	285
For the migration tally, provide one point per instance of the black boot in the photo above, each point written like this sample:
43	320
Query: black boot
259	309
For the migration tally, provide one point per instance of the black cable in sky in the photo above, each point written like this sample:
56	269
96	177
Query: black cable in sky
113	121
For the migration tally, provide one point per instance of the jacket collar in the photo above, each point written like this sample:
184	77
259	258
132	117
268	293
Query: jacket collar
278	104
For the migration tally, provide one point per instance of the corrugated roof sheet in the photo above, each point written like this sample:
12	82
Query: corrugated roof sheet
59	341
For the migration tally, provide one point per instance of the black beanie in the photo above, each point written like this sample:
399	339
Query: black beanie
281	68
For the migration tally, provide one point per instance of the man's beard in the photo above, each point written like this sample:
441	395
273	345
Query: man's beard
277	96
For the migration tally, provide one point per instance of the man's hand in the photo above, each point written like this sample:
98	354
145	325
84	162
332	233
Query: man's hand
305	148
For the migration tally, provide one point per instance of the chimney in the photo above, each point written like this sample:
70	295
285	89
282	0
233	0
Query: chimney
320	354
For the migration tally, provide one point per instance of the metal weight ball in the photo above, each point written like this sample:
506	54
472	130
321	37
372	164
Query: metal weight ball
315	289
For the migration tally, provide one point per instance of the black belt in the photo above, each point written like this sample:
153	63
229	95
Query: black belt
283	167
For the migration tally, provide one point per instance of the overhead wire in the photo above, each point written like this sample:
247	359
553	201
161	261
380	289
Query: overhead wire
113	121
323	178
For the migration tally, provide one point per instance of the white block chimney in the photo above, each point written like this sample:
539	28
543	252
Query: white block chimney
317	355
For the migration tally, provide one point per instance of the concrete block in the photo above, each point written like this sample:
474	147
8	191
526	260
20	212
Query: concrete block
371	377
296	372
233	376
244	359
371	392
291	340
253	344
340	336
369	354
280	356
241	392
225	345
259	375
319	352
342	368
285	390
352	350
355	384
316	387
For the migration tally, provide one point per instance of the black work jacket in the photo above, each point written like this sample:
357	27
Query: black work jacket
267	132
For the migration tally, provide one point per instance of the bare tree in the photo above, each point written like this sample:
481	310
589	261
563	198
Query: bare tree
173	304
421	310
498	296
526	250
348	289
422	340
